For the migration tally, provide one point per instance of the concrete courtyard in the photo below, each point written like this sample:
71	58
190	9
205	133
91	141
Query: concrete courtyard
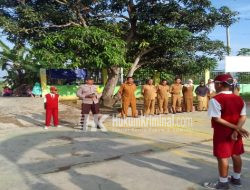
163	158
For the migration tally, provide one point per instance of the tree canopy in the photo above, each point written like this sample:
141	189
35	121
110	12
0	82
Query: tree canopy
145	26
244	52
73	47
167	35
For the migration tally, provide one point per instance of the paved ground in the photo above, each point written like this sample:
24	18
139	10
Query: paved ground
163	158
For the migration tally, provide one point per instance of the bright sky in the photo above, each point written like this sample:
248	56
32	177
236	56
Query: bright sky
240	32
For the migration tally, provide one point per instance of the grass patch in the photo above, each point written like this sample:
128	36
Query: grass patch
246	97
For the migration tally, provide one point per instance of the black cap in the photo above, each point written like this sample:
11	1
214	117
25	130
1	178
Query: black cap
89	78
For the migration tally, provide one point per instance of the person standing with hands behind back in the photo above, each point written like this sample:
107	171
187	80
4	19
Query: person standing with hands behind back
228	115
175	90
127	94
51	106
149	94
162	97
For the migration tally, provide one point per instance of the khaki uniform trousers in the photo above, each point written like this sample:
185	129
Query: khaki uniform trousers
163	104
176	102
126	102
202	103
149	106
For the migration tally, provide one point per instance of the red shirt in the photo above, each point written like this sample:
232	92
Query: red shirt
52	102
231	109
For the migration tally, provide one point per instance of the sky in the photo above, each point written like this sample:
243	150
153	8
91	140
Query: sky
239	32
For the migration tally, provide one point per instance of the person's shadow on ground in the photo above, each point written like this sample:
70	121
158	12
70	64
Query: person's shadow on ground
91	148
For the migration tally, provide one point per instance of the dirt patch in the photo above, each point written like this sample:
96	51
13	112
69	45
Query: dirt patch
12	120
66	138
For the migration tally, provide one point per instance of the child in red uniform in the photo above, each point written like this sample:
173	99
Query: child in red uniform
51	106
228	113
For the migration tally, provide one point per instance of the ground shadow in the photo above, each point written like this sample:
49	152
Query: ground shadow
65	150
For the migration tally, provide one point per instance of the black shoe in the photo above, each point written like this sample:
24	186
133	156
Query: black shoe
235	182
217	185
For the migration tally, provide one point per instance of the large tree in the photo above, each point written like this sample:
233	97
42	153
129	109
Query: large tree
143	24
30	21
90	47
157	33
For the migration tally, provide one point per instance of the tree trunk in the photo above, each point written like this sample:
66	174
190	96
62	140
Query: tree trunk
136	64
133	67
20	78
108	100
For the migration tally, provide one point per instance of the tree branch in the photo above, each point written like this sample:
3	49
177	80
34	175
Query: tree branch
63	2
146	51
112	15
136	64
63	25
77	8
26	30
132	20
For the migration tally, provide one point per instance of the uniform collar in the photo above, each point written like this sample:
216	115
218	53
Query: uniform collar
225	92
129	83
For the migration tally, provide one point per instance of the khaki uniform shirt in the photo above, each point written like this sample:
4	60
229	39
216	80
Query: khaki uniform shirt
163	91
127	90
176	89
149	91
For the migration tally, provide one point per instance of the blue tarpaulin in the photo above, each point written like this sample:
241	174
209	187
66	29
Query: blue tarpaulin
67	73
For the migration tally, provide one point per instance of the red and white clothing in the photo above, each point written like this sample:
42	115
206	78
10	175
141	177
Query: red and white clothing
51	101
229	107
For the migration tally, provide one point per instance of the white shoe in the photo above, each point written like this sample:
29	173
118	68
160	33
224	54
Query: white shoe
93	129
102	128
45	128
58	126
84	129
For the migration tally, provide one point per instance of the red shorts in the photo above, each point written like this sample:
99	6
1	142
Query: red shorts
224	146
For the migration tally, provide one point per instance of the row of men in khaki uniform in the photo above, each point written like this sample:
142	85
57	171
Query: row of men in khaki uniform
161	94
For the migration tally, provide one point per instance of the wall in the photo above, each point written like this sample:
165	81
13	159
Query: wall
68	92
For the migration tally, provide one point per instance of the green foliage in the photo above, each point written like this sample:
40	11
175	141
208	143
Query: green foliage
227	17
89	47
244	78
163	28
20	65
162	35
244	52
